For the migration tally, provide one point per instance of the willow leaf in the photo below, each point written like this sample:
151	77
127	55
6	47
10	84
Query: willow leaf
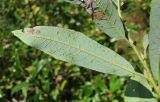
154	38
106	17
138	90
76	48
111	23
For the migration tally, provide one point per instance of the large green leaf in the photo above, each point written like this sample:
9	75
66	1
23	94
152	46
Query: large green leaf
110	23
154	38
74	47
138	90
106	17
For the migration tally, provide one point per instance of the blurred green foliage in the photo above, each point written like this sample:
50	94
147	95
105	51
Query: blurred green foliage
28	74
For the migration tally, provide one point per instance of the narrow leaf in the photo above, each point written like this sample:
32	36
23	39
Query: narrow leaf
105	17
110	23
74	47
154	38
138	90
21	86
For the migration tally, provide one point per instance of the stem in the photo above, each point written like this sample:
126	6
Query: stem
119	9
153	83
137	53
148	75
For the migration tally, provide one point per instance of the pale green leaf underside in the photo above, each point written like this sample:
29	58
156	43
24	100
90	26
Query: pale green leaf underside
138	90
74	47
111	23
154	38
116	2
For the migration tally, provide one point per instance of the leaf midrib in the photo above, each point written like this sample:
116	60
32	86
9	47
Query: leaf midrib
92	54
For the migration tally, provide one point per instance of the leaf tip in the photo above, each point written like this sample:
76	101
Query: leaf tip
17	32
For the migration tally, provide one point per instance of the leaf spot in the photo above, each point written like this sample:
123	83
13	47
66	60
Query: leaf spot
33	31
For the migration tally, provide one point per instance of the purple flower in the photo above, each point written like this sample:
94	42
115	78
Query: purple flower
89	6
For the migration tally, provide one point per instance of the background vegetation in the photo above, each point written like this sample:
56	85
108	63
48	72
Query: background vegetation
28	74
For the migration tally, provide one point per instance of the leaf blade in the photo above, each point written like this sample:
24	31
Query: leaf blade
108	19
76	48
111	24
138	90
154	38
